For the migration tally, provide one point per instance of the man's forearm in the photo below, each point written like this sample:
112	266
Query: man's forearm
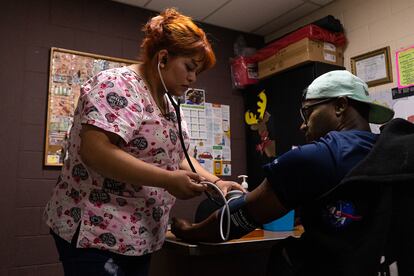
250	211
207	231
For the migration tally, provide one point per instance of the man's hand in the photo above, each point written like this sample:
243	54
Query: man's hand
208	230
227	186
181	228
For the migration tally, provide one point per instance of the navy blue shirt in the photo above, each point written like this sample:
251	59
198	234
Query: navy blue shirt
306	173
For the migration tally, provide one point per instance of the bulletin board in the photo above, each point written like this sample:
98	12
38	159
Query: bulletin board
209	129
68	70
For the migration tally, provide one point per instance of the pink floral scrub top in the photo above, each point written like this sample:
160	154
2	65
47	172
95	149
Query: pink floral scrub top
121	217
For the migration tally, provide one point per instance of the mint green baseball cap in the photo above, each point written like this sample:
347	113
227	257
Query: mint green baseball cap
340	83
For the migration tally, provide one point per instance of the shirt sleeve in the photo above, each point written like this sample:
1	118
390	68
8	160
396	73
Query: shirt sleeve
302	174
110	101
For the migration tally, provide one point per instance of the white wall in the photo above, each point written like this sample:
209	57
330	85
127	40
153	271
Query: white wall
369	25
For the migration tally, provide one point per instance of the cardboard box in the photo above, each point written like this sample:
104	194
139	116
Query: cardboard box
302	51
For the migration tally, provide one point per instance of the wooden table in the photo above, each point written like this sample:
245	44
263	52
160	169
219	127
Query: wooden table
245	256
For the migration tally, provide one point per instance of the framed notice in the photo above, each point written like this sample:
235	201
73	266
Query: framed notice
68	70
405	67
374	67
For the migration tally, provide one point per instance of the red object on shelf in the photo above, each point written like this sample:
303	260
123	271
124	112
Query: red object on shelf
243	71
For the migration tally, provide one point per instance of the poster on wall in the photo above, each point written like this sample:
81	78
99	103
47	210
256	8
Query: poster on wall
405	67
209	130
68	70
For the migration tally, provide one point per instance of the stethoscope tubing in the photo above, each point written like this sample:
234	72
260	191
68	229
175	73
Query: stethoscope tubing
226	209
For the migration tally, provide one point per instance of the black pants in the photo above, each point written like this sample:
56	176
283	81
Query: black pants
95	262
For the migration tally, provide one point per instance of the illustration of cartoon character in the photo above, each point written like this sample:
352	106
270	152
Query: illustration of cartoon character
161	135
266	145
159	155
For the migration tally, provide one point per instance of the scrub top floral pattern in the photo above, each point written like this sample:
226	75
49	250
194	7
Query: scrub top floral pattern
120	217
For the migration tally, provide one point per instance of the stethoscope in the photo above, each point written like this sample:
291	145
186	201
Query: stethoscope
231	195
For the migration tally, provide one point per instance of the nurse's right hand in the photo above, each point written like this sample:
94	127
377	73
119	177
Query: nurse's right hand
184	184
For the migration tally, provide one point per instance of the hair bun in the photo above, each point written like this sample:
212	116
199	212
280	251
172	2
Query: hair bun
170	13
155	27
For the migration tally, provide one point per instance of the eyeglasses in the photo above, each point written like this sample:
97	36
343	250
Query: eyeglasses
305	111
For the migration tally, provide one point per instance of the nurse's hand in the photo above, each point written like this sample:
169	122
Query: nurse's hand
184	184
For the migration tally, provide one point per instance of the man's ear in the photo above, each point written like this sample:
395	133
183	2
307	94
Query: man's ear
341	104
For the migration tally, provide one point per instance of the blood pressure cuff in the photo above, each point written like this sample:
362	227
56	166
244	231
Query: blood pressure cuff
241	223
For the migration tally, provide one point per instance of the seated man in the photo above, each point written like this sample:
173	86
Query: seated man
338	219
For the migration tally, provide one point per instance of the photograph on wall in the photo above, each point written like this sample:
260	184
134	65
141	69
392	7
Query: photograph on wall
68	70
195	96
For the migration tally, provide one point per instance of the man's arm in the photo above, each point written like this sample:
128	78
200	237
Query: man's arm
262	204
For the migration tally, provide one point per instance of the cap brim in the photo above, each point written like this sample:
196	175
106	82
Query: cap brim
380	114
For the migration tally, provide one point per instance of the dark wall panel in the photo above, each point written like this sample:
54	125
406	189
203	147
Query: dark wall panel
28	29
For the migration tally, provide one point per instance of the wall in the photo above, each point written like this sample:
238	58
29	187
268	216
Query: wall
369	25
28	29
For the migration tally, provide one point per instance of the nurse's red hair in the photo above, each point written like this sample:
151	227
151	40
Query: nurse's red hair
179	35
